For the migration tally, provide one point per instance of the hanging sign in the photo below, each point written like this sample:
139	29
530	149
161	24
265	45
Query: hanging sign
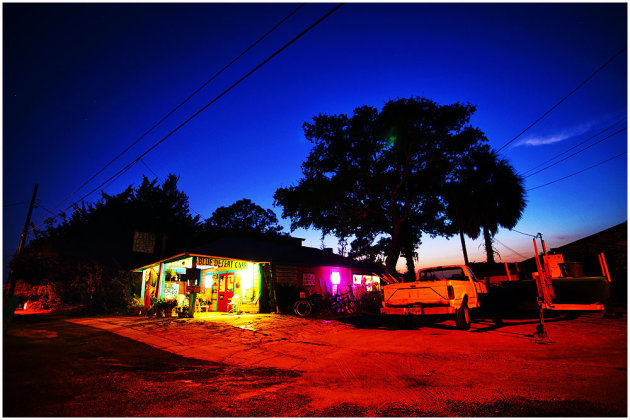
171	290
222	263
308	279
143	242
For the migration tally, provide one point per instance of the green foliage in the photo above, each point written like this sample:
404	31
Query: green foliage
169	274
136	302
245	215
380	176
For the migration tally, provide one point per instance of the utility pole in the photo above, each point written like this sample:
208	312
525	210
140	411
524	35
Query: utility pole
23	237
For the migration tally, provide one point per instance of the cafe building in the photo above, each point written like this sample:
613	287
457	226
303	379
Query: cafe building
243	273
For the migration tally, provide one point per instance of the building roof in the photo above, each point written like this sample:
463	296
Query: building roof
616	236
281	252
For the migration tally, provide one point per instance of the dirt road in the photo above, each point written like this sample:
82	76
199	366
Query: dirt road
275	365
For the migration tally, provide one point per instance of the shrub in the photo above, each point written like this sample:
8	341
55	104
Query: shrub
43	296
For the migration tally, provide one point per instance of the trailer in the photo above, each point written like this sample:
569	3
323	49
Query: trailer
546	295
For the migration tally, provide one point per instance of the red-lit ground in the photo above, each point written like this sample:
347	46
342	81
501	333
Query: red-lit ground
273	365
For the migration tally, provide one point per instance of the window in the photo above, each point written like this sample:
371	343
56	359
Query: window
455	273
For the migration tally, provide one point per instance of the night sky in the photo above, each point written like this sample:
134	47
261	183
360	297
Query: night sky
82	82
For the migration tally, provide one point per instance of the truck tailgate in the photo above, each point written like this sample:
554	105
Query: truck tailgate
409	294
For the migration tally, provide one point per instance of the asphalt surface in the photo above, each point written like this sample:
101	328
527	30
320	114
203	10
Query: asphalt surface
286	366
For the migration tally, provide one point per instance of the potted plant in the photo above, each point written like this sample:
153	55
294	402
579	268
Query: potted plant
164	308
169	307
136	306
183	312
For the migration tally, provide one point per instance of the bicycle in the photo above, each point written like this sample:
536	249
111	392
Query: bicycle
342	303
304	306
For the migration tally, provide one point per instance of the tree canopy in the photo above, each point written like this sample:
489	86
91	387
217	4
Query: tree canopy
380	177
105	230
244	215
486	193
88	253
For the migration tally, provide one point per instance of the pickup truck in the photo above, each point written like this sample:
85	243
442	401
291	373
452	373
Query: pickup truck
447	290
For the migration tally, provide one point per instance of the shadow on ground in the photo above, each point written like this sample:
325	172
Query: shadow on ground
483	323
57	368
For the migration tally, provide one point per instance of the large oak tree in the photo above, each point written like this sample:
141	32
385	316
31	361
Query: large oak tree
379	177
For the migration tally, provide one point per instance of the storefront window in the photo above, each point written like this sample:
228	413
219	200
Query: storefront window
208	280
370	282
374	283
171	290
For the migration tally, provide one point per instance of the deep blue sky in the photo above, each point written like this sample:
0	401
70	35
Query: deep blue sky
82	82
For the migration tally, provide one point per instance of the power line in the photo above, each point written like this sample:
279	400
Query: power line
177	107
522	233
107	184
578	172
160	179
285	46
510	249
15	204
151	170
573	154
563	99
571	148
38	204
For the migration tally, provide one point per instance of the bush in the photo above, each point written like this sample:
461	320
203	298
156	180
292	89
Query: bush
135	305
96	287
44	296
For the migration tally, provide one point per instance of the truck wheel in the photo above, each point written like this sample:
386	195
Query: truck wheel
462	317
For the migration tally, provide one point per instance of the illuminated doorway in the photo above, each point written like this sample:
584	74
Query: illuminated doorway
226	291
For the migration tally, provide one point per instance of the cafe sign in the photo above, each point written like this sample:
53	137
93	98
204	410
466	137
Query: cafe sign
222	263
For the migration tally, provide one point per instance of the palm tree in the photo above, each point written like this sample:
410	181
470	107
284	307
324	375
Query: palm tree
486	193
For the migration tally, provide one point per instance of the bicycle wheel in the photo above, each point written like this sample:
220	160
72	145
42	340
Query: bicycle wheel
302	308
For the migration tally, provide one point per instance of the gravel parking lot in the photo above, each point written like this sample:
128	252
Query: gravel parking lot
372	366
274	365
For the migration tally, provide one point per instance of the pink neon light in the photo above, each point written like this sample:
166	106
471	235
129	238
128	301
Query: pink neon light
335	277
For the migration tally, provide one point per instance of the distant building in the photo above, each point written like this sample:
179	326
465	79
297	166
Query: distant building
613	243
249	270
